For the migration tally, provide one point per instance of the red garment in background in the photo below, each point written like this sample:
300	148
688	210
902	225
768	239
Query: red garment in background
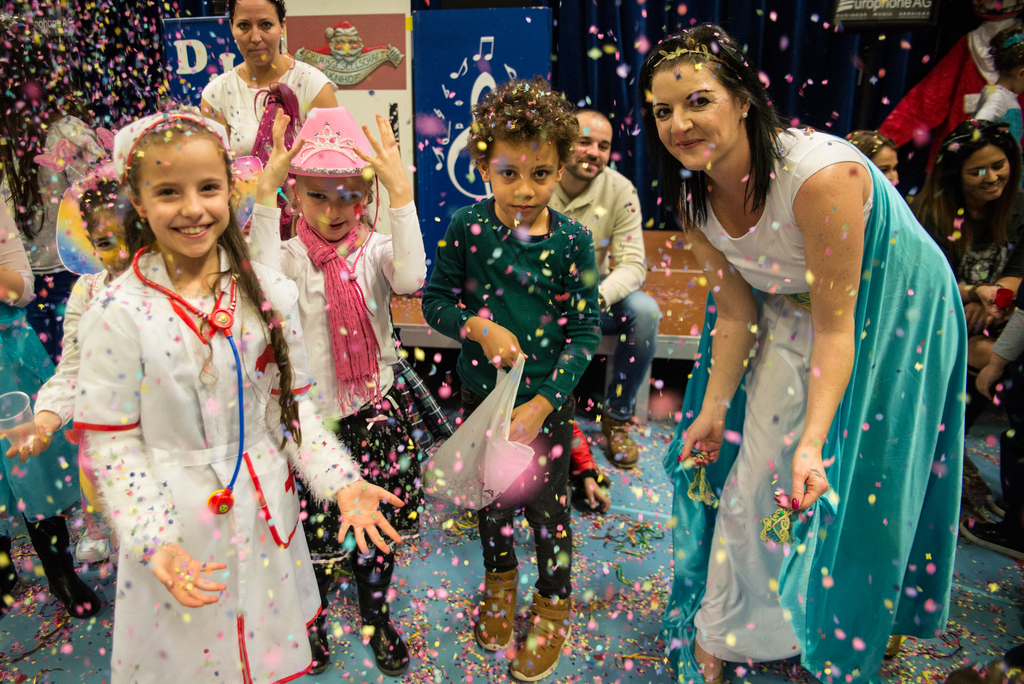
582	459
936	104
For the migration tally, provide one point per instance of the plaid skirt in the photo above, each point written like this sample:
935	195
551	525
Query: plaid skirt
379	437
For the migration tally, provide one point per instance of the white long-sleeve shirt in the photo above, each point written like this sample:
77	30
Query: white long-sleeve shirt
58	394
395	262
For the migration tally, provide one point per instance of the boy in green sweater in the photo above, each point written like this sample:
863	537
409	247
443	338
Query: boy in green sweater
514	277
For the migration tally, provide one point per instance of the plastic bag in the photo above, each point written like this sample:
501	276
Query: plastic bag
478	463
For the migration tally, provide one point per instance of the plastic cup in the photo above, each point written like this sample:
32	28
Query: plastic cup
16	419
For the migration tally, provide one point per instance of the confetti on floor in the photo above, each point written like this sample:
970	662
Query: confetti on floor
621	579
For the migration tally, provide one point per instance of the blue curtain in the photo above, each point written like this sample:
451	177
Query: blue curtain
812	71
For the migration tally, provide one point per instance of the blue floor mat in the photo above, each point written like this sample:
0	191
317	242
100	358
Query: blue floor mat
621	579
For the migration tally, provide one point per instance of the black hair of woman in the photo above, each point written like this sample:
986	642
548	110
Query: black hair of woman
36	92
711	46
278	6
942	195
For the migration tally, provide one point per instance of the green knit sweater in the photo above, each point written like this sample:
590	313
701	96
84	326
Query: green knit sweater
542	288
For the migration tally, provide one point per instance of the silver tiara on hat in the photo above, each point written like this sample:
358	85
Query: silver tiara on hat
328	141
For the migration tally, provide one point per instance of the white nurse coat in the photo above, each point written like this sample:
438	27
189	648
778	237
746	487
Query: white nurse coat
160	406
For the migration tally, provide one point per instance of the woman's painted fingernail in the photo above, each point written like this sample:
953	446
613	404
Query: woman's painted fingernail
796	504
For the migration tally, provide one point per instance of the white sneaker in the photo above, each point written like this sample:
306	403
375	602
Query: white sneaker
92	551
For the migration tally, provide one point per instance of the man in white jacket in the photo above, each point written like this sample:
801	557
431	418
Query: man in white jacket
606	202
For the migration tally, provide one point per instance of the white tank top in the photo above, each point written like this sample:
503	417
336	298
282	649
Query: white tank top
771	256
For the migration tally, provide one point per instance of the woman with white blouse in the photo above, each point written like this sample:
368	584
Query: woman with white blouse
237	99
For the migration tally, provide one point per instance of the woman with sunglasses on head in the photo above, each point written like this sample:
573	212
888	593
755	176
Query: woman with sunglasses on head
824	412
971	204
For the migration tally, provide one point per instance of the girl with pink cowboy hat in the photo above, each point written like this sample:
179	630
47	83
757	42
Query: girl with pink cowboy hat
346	272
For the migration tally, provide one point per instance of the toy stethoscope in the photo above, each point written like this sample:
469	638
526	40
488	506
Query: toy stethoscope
220	320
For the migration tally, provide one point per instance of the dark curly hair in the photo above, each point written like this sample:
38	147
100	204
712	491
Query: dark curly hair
710	45
522	111
106	195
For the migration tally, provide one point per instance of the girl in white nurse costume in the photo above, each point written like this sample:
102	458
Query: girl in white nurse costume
180	358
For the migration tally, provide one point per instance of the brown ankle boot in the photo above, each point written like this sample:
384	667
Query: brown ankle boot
892	649
622	450
549	628
493	629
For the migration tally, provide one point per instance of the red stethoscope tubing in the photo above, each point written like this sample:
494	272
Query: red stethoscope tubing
220	320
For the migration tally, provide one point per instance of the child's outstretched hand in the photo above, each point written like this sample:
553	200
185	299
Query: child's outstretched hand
46	423
181	574
275	171
359	504
387	165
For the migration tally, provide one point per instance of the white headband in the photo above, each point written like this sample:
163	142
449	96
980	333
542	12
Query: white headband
128	137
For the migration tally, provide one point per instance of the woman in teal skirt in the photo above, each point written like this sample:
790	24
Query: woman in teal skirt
824	412
40	488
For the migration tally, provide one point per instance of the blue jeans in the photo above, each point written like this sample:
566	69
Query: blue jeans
635	320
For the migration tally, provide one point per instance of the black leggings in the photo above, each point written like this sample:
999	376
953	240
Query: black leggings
387	456
542	492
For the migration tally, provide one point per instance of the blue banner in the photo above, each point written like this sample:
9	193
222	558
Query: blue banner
197	51
460	55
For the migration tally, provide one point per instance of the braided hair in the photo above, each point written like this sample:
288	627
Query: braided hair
234	245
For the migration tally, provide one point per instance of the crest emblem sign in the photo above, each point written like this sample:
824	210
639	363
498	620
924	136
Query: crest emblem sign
345	59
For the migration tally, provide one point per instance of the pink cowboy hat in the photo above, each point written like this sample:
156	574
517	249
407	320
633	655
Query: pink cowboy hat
332	136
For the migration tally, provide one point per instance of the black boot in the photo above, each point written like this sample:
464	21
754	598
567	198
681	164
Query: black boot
318	643
8	576
389	649
53	546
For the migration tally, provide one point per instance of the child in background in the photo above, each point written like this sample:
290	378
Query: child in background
103	206
880	149
346	272
589	484
998	102
515	277
173	409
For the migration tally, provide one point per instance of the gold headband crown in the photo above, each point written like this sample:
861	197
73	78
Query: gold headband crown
680	51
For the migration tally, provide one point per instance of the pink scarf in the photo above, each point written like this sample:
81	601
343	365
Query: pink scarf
356	350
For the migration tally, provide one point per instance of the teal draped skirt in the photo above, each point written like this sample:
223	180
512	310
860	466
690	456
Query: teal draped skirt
886	535
47	485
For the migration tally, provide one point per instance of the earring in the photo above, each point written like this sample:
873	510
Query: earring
744	115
